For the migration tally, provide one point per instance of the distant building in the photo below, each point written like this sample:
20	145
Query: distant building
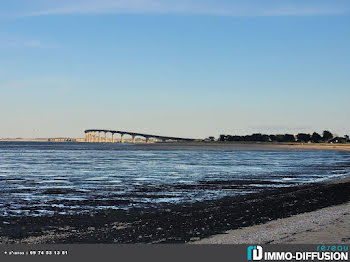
65	139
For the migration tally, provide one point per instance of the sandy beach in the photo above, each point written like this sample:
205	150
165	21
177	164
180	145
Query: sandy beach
327	225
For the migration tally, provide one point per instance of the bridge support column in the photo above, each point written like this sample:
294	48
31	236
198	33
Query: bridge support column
112	137
133	139
122	138
94	137
99	137
106	137
147	139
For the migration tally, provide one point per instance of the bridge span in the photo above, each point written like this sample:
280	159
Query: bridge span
94	136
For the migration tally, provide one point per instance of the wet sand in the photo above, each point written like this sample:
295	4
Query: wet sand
176	223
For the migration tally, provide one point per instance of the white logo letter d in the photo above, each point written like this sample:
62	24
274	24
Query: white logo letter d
258	253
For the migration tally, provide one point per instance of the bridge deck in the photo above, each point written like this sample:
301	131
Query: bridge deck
138	134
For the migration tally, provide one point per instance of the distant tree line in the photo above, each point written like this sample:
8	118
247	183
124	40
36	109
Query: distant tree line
327	137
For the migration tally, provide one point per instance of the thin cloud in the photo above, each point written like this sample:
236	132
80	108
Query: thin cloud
203	7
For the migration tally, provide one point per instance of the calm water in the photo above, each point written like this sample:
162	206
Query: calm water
48	178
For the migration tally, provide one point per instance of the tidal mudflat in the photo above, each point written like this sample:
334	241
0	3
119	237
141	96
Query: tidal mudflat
86	193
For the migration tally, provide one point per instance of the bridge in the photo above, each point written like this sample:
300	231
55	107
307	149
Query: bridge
94	136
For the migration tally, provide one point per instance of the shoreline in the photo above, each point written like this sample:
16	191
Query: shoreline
326	226
263	146
329	225
176	223
243	146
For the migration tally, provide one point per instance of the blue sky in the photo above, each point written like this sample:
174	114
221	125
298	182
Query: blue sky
185	68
